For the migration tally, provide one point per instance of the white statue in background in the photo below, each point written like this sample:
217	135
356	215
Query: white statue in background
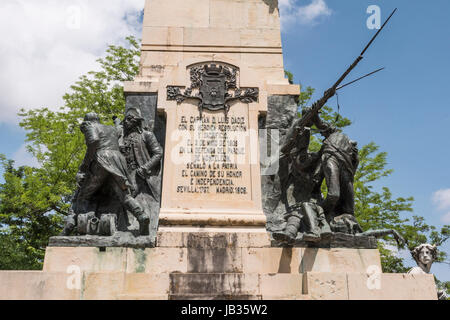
425	255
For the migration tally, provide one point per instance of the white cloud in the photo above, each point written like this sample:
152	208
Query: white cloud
47	44
23	158
446	218
292	12
441	199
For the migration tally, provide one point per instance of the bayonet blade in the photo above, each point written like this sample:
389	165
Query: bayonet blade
360	78
376	35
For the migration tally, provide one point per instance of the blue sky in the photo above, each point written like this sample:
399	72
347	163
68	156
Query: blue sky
404	109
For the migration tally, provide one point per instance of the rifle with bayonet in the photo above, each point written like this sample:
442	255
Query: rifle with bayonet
319	104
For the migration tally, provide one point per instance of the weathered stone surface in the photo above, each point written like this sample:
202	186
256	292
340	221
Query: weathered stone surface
301	260
281	285
36	285
325	286
143	297
146	284
392	287
302	297
272	260
211	297
339	260
220	259
211	238
103	286
119	239
157	260
214	284
33	285
215	30
87	259
223	260
119	285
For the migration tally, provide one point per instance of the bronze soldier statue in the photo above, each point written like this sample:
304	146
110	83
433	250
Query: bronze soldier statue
307	175
339	163
103	166
143	155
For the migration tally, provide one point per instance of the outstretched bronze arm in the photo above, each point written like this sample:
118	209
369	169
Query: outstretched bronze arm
386	232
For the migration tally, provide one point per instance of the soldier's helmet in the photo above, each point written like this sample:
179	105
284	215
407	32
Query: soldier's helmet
135	113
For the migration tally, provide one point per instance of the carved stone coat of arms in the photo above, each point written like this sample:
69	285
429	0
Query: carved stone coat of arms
215	87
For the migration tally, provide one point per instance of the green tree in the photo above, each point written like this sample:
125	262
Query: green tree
25	228
34	201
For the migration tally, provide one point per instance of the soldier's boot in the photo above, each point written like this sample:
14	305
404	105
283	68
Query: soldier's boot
144	220
311	219
326	229
144	224
289	234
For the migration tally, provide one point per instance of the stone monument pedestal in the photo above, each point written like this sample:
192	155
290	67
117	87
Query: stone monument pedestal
213	264
211	77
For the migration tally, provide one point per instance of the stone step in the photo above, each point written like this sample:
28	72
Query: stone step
36	285
233	286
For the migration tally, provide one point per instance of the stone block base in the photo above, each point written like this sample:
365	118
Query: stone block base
29	285
212	265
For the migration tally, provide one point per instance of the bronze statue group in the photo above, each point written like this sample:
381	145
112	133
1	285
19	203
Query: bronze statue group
120	174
